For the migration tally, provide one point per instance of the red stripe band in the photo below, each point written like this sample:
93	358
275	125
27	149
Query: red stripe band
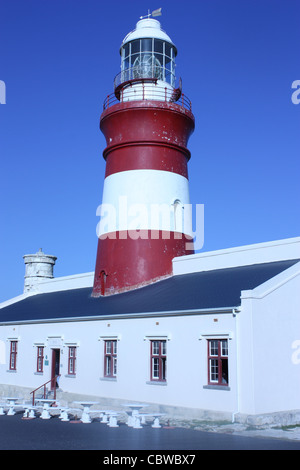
125	261
146	157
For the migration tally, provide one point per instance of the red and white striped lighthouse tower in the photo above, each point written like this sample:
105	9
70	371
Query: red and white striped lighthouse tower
147	122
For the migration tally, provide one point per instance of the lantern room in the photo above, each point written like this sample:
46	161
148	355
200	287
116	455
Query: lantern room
147	57
148	52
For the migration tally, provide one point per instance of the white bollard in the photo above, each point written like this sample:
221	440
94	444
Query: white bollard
137	422
31	414
156	423
113	423
85	418
64	416
45	414
11	411
104	419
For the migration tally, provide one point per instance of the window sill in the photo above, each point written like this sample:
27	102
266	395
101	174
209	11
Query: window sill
109	379
217	387
71	376
156	382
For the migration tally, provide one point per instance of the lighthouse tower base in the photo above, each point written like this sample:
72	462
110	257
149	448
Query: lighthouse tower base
138	258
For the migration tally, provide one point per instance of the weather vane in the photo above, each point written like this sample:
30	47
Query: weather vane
154	13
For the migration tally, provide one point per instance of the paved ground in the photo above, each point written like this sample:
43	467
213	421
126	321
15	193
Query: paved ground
38	434
267	431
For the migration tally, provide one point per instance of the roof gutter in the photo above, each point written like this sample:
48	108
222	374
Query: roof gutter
122	316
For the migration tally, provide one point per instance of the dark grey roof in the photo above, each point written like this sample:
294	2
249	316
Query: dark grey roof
219	288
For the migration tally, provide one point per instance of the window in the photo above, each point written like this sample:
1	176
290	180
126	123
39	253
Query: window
13	355
72	361
110	358
40	359
178	216
218	362
158	360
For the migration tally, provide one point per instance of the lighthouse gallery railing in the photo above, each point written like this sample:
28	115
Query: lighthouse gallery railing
149	89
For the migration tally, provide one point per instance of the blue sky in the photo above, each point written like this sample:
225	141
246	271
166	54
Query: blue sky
58	59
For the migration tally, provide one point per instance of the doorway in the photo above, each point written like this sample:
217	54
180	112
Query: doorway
55	368
102	277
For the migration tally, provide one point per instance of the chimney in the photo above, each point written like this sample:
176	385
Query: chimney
38	267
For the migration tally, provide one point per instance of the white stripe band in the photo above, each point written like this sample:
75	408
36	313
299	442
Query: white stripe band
145	200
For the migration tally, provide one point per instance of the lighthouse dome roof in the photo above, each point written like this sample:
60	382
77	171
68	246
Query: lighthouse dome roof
147	28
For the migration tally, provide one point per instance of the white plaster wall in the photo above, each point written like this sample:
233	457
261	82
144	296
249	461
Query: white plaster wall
276	327
270	345
186	358
238	256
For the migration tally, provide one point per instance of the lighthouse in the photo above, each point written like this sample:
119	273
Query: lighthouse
145	216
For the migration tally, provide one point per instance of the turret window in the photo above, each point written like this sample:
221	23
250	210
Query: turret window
178	216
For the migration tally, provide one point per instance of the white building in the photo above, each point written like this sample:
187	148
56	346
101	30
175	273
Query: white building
213	334
220	338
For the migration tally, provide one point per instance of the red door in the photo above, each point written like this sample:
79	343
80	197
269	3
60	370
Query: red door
55	367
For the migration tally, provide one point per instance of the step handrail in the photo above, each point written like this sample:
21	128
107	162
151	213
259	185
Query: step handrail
53	379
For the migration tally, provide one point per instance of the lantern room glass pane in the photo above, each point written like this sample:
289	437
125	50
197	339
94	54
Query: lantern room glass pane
159	58
146	45
167	60
135	46
133	58
126	50
126	63
168	48
158	46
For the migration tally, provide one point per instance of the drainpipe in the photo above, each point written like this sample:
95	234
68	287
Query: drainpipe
235	312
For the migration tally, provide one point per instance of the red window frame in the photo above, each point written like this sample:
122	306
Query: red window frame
217	352
40	359
158	361
13	355
72	356
110	358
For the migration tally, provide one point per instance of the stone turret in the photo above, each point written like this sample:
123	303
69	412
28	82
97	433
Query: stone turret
38	267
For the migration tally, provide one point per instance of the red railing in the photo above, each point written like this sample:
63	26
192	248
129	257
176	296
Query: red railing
53	387
146	90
